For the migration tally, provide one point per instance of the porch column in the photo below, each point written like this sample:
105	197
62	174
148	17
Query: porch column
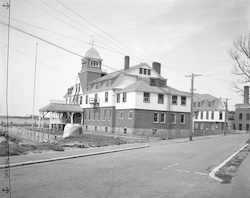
72	116
39	120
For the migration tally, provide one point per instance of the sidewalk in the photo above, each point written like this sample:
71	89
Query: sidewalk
50	156
55	156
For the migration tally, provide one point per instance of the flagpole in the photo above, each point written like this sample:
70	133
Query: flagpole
34	91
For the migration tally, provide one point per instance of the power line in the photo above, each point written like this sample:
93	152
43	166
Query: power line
39	62
102	30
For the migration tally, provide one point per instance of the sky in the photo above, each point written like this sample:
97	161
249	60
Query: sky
185	36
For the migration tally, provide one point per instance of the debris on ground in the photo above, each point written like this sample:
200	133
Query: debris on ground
227	172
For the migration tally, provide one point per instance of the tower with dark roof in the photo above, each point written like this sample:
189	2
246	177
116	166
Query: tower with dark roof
91	67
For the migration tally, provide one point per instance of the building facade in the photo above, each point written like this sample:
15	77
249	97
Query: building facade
210	113
133	100
242	113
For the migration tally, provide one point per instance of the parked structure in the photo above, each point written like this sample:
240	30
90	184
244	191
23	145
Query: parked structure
210	112
132	100
242	113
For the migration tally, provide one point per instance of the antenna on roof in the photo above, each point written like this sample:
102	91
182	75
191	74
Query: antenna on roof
92	40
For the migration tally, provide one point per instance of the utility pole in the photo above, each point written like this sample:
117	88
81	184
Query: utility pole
226	116
192	101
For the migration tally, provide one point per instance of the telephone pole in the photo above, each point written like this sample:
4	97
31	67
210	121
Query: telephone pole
226	116
192	101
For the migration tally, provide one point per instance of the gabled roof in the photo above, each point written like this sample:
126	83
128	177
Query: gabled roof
202	97
57	107
144	87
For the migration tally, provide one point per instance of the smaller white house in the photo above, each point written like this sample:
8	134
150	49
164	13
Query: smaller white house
210	112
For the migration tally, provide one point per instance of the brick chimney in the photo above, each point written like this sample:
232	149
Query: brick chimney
126	63
157	67
246	94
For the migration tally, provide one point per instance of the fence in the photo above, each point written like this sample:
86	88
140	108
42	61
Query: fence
21	133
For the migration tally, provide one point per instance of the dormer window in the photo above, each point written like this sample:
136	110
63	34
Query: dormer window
94	63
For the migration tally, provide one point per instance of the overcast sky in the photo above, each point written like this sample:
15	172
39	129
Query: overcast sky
185	36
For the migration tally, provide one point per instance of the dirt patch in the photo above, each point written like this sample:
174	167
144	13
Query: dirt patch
227	172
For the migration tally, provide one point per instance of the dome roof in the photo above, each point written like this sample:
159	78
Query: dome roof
93	53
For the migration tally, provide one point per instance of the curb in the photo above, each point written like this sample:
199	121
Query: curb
71	157
213	172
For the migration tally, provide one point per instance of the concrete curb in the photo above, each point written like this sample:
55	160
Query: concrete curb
72	156
213	172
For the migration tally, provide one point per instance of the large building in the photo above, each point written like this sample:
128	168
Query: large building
133	100
242	113
210	113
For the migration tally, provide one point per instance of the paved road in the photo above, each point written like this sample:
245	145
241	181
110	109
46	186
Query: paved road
161	170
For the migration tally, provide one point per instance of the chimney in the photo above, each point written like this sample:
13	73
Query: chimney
246	94
157	67
126	63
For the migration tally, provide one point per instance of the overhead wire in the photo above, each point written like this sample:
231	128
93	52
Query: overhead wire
38	61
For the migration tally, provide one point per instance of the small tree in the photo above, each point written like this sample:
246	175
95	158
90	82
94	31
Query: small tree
241	54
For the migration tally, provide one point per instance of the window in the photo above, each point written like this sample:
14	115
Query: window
94	115
106	96
106	129
86	99
85	115
118	98
240	116
145	71
196	115
160	98
99	115
201	115
109	114
182	119
124	97
209	104
104	114
212	127
156	115
162	118
86	127
196	126
248	116
207	126
183	100
125	130
149	72
240	126
140	71
80	99
194	104
207	115
199	104
130	115
173	119
146	97
212	115
121	115
94	64
89	115
221	116
174	100
154	131
247	127
95	128
152	82
201	126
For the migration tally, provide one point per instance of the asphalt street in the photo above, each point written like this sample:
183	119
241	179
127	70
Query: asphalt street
160	170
